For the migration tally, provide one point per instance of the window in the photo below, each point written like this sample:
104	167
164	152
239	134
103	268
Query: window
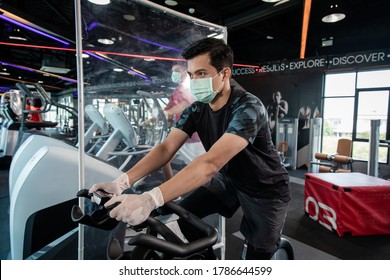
351	101
338	109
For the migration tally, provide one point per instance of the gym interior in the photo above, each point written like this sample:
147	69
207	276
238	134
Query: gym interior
101	71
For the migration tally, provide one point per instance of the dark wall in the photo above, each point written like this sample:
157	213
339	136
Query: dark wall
302	92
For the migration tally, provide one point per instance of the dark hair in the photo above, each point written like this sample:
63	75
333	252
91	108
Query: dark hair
221	55
37	102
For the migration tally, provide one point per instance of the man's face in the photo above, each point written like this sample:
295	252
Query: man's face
199	67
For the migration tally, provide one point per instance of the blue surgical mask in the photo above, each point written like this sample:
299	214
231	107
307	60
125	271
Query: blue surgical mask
176	76
202	89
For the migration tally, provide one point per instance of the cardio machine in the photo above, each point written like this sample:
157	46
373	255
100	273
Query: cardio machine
43	191
122	131
98	124
157	239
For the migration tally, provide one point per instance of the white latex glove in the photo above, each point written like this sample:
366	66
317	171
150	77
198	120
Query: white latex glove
135	209
115	187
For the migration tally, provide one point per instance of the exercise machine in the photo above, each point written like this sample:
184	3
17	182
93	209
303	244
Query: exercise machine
98	125
287	141
43	195
26	152
332	163
123	131
157	241
157	238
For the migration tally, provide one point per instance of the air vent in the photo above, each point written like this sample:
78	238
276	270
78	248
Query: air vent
54	65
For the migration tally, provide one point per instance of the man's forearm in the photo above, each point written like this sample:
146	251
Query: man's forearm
155	159
194	175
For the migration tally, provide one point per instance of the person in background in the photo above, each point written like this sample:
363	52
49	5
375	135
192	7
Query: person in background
34	104
181	98
277	110
240	168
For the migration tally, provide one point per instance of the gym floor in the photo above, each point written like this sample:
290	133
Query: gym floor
310	240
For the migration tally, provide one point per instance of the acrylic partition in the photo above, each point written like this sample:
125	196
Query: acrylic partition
128	50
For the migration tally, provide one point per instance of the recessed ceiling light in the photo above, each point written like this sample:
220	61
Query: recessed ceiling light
129	17
149	59
170	3
5	73
271	1
270	37
118	69
17	38
100	2
333	18
105	41
334	14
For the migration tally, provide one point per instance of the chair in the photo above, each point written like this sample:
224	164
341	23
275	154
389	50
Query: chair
344	147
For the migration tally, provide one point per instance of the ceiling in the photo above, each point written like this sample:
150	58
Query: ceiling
250	25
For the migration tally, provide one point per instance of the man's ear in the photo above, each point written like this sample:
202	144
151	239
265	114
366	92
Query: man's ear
228	72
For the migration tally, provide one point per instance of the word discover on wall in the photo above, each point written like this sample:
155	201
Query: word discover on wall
322	63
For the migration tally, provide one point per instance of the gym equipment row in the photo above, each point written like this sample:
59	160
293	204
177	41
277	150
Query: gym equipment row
43	180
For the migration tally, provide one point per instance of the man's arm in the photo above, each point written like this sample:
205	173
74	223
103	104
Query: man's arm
203	168
283	107
134	209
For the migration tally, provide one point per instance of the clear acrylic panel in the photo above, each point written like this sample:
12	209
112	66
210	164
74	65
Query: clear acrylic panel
129	48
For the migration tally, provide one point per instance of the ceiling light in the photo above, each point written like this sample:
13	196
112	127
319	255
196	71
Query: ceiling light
171	3
269	37
83	55
271	1
281	2
20	38
16	35
5	73
334	14
100	2
105	41
129	17
118	69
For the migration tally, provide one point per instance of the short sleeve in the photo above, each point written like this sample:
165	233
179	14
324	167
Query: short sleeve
248	117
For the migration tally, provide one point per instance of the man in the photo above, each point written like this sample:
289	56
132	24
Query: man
240	168
277	110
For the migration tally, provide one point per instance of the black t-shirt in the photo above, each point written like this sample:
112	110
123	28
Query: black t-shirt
257	169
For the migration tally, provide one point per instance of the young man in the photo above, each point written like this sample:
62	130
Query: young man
240	168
